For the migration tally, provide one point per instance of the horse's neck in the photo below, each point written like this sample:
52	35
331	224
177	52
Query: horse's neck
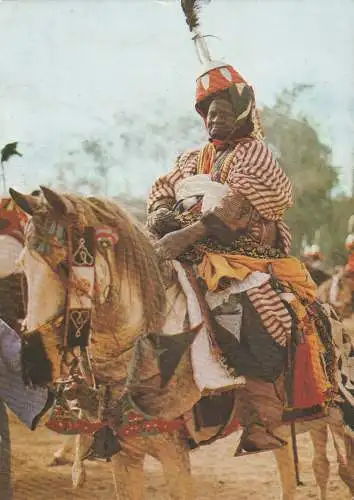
111	362
181	393
115	332
118	320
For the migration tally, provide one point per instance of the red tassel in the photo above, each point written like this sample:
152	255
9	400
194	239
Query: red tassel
305	390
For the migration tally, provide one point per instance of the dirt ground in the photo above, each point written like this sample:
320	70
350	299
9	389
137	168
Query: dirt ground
216	472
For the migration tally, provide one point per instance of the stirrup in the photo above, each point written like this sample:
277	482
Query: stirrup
247	447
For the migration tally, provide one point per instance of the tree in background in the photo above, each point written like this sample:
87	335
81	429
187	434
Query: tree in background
308	163
336	230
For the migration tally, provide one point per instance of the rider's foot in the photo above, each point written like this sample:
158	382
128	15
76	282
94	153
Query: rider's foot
256	439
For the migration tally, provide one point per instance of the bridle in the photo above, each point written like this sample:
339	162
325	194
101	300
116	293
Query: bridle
69	331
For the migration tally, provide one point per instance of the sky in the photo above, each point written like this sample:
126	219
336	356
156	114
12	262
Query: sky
72	71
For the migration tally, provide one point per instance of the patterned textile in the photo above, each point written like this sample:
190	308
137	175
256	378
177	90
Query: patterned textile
270	307
312	384
216	80
226	78
344	372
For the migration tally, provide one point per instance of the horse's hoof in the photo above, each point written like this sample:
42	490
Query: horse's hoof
78	477
58	461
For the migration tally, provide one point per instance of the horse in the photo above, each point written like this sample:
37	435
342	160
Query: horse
128	277
338	291
13	289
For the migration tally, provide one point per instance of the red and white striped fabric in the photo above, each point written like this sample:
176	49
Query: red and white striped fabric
273	313
107	233
256	175
162	192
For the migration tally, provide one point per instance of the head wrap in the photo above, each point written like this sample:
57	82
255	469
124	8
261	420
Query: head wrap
216	77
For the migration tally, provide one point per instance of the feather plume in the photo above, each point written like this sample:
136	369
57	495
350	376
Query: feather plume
191	10
351	224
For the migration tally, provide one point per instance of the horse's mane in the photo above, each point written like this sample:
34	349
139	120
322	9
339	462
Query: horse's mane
134	252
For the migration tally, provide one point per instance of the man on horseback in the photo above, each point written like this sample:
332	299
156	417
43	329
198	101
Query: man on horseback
314	261
221	211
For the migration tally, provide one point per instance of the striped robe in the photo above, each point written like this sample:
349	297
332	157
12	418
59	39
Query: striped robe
254	174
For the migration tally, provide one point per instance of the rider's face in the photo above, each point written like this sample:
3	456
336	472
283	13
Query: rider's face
221	118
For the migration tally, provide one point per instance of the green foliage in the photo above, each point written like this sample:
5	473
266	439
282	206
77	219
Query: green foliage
308	163
336	230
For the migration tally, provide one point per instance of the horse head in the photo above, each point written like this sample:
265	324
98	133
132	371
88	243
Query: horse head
90	268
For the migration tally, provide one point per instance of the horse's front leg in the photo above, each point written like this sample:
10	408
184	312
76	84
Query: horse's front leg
127	469
171	450
78	472
320	462
344	446
63	456
286	467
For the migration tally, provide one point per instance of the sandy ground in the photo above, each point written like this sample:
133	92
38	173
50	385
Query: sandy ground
217	473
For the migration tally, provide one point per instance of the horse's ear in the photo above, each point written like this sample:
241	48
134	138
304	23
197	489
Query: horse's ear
27	202
59	203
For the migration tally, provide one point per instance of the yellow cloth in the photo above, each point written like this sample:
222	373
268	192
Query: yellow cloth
290	270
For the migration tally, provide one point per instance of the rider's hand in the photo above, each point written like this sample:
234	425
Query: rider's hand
170	246
174	244
162	221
